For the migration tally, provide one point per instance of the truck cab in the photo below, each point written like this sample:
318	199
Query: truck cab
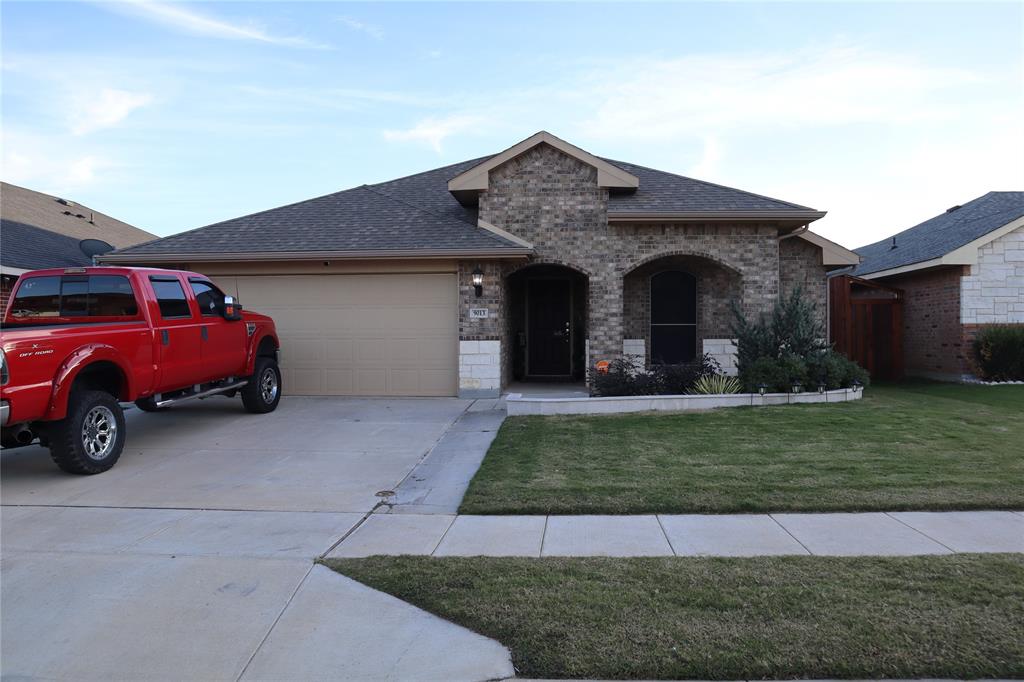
78	337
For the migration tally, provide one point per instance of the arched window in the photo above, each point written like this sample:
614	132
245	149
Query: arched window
673	317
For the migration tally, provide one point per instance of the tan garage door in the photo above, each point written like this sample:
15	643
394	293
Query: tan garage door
394	334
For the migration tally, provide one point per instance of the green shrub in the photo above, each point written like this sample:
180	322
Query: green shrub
716	384
617	381
777	375
791	329
789	346
835	371
623	379
999	353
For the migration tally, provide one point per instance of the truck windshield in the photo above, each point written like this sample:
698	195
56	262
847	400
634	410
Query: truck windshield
60	298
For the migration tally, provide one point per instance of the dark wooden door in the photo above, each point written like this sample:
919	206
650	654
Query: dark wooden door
549	327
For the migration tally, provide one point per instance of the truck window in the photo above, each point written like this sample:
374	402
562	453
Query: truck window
209	297
111	296
37	297
171	298
75	296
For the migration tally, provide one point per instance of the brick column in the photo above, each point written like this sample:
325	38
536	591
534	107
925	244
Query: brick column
481	339
604	316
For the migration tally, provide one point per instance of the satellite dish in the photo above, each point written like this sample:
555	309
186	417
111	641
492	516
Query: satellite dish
94	247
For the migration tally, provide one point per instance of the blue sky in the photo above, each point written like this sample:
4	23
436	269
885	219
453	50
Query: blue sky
172	116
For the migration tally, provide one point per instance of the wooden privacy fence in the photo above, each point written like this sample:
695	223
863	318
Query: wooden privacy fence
866	324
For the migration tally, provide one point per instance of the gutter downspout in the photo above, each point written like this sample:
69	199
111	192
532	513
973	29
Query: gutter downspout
796	233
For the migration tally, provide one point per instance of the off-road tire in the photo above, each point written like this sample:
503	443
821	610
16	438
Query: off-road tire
149	405
263	392
77	442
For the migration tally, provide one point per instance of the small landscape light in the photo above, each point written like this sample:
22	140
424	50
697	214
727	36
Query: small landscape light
761	388
821	385
797	386
478	281
856	385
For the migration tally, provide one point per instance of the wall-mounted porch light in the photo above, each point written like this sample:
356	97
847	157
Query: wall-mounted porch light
821	385
478	281
761	388
856	385
797	386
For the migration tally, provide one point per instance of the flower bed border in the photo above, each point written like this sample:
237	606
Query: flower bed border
519	405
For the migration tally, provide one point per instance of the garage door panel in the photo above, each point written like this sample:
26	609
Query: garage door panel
434	381
360	334
371	381
301	381
339	382
339	350
303	351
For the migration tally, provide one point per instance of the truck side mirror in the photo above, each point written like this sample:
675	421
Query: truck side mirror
232	309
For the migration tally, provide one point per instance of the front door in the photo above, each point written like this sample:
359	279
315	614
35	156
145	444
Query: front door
548	328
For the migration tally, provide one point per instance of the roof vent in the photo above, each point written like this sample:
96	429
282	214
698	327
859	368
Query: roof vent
65	202
893	246
950	210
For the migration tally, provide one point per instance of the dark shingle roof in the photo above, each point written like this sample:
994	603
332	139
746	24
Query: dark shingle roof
29	248
359	219
662	192
946	232
418	212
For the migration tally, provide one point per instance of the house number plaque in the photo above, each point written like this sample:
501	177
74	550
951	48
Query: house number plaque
479	313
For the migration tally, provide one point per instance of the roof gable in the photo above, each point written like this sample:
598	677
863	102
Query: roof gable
944	235
364	219
417	214
467	185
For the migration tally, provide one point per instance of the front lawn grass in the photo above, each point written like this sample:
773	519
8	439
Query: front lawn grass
914	446
958	616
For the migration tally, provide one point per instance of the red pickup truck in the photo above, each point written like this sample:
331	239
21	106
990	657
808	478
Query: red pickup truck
76	342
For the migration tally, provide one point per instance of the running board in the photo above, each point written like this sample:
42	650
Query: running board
202	394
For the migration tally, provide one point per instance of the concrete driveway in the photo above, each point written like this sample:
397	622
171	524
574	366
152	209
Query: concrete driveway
193	557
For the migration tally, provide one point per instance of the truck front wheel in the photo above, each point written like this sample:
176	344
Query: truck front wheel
263	392
90	439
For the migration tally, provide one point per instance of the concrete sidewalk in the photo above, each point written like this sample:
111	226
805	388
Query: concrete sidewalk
838	534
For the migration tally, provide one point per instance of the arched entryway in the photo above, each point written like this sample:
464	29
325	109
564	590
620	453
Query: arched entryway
673	305
547	319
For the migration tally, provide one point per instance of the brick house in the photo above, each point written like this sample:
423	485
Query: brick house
956	273
531	264
42	231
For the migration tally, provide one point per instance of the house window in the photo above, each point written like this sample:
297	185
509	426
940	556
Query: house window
673	317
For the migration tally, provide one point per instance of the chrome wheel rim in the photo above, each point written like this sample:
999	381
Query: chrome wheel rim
99	432
268	385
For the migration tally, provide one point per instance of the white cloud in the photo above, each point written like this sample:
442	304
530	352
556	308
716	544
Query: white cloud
433	131
108	107
707	166
911	183
186	19
51	165
375	32
668	98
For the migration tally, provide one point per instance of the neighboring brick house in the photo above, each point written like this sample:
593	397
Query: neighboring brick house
957	272
532	264
42	231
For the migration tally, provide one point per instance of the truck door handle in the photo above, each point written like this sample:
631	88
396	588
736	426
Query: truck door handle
165	337
204	333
